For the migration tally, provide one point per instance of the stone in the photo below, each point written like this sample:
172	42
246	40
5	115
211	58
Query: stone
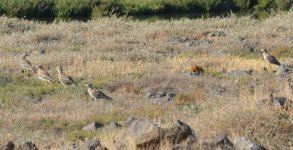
178	133
92	126
27	145
245	144
220	142
128	122
113	125
92	145
162	94
283	70
218	90
183	40
147	135
217	33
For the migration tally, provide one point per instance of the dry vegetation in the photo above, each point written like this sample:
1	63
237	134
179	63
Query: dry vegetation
127	59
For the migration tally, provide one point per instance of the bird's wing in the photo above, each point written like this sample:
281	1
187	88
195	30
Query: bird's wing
66	80
26	64
45	75
273	60
99	94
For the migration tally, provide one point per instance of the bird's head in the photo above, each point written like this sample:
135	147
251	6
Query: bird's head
89	85
264	50
24	55
39	66
59	68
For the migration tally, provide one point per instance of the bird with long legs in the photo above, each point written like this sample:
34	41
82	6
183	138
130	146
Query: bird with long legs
44	75
63	78
269	58
95	94
25	64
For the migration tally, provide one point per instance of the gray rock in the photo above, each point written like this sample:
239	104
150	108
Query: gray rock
218	90
275	103
179	132
92	126
283	70
187	41
147	135
177	39
92	145
239	73
164	94
170	95
245	144
128	122
220	142
72	146
217	33
27	145
113	125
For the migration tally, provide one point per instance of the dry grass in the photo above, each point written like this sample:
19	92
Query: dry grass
129	58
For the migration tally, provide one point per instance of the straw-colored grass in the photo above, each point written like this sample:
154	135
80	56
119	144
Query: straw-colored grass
127	59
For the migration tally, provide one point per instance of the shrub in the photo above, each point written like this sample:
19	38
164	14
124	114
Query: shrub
73	8
27	8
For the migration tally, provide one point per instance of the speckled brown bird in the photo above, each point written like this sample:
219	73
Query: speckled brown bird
95	94
25	64
63	78
43	75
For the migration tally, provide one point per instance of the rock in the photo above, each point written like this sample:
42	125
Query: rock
245	144
158	95
113	125
92	126
283	70
128	122
218	90
27	145
170	95
217	33
187	41
220	142
248	45
178	133
276	103
92	145
72	146
239	73
9	146
146	135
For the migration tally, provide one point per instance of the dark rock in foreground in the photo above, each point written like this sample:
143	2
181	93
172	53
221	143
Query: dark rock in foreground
245	144
283	70
92	126
146	135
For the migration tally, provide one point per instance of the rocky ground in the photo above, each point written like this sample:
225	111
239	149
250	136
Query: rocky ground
179	84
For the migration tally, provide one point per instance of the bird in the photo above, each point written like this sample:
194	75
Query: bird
25	64
63	78
269	58
43	75
95	94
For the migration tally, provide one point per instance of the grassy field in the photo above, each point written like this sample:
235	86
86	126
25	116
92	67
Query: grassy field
127	59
